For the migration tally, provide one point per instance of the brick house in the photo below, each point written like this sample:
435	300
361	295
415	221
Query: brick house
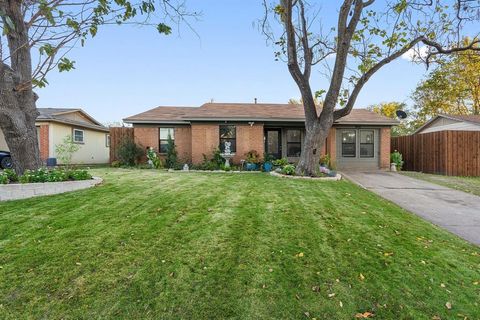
359	140
53	124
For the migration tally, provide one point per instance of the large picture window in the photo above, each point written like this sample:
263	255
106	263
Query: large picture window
294	143
367	145
228	133
349	141
164	133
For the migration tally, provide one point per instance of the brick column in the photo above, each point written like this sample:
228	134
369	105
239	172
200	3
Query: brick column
385	148
44	141
332	145
249	138
183	143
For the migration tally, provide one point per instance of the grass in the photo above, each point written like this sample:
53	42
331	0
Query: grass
157	245
466	184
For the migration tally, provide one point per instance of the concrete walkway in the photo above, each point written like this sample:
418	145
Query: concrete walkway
456	211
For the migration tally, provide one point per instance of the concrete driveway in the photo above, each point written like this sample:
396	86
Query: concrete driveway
454	210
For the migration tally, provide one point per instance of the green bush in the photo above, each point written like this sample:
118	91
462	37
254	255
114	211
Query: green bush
289	170
54	175
129	152
79	175
3	178
325	160
280	162
396	157
115	164
11	175
171	158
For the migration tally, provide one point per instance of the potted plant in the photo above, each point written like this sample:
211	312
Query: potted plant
267	162
252	160
396	160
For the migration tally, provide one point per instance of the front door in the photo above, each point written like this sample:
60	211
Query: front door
273	142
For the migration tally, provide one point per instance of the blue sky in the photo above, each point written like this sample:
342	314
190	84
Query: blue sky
128	69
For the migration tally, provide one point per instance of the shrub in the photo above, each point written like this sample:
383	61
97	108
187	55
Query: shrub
54	175
252	156
267	157
11	175
79	175
153	158
171	159
66	150
396	157
129	152
289	170
217	158
115	164
280	162
3	178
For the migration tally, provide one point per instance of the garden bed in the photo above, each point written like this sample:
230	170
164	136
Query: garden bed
16	191
336	178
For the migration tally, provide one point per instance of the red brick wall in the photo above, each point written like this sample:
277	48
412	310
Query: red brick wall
205	138
385	148
44	141
146	137
183	143
249	138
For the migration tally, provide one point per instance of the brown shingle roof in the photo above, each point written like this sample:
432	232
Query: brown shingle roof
172	114
249	112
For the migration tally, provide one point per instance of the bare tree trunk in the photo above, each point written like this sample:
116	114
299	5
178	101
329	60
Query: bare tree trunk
316	134
17	99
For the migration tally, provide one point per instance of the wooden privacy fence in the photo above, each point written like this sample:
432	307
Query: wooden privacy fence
116	136
453	153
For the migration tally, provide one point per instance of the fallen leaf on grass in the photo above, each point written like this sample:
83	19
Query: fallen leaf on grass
448	305
364	315
362	277
476	283
331	295
341	304
442	285
299	255
316	289
388	254
307	314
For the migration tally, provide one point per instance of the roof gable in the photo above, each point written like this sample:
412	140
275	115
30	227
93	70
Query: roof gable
70	116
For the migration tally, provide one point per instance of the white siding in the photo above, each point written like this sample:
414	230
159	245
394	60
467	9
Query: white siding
93	151
456	126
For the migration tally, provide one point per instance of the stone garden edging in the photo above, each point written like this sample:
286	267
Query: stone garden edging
28	190
336	178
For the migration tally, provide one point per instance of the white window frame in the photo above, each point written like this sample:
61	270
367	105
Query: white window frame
74	136
107	140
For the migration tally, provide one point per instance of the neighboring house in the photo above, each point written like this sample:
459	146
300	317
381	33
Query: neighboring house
359	140
54	124
444	122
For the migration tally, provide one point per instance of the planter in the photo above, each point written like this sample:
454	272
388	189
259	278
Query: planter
267	166
251	166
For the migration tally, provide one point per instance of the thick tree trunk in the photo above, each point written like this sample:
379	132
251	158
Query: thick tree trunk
315	137
17	99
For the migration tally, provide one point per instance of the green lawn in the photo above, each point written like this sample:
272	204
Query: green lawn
158	245
466	184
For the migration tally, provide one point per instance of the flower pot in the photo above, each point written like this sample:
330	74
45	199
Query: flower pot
251	166
267	166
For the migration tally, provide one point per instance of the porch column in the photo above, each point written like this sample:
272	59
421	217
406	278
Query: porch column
332	146
385	148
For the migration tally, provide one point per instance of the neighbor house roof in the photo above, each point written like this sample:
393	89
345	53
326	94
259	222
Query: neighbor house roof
469	118
264	112
59	115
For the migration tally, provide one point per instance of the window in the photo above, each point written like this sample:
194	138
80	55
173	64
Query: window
367	143
349	140
164	133
228	133
294	143
78	136
107	140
